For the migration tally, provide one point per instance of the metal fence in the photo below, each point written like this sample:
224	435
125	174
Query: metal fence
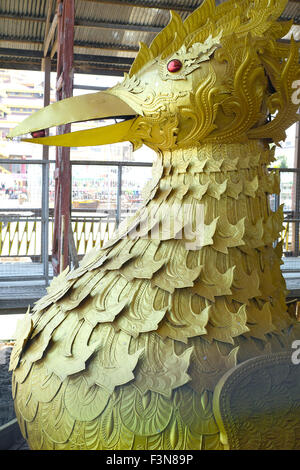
26	215
290	198
24	218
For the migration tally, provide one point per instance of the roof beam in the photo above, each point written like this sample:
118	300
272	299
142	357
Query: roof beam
120	61
127	27
50	34
47	26
170	5
89	87
105	47
21	41
54	49
81	44
296	20
7	51
83	23
88	67
11	16
110	60
48	17
104	59
96	70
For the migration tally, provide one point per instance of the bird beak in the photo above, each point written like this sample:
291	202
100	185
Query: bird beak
100	105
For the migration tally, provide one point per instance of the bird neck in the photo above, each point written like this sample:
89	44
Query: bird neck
232	184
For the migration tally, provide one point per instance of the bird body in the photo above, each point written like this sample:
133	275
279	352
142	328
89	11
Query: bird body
125	351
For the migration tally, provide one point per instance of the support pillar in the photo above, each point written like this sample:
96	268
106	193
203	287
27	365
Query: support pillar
64	89
46	68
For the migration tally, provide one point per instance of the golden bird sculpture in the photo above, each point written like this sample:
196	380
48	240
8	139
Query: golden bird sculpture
125	351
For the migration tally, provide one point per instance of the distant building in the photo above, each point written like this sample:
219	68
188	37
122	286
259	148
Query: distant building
21	94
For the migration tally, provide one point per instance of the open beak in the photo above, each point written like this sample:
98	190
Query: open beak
100	105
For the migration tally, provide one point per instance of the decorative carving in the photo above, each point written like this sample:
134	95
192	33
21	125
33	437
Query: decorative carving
256	404
125	351
189	58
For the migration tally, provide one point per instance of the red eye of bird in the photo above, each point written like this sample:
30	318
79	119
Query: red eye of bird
174	65
41	133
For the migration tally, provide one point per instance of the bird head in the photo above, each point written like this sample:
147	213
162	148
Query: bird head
217	77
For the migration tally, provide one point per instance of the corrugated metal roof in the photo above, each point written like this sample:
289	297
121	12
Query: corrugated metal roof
124	15
107	32
24	8
292	11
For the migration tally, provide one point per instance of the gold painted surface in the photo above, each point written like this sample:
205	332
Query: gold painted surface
256	407
99	136
125	352
78	108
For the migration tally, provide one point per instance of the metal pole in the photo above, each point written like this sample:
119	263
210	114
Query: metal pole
74	261
296	193
46	67
45	222
119	194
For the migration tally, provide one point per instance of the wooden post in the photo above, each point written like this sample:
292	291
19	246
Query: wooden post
64	89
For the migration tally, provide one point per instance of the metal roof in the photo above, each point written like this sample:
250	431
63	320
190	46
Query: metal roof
107	32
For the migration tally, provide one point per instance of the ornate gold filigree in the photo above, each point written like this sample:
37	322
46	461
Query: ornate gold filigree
255	404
